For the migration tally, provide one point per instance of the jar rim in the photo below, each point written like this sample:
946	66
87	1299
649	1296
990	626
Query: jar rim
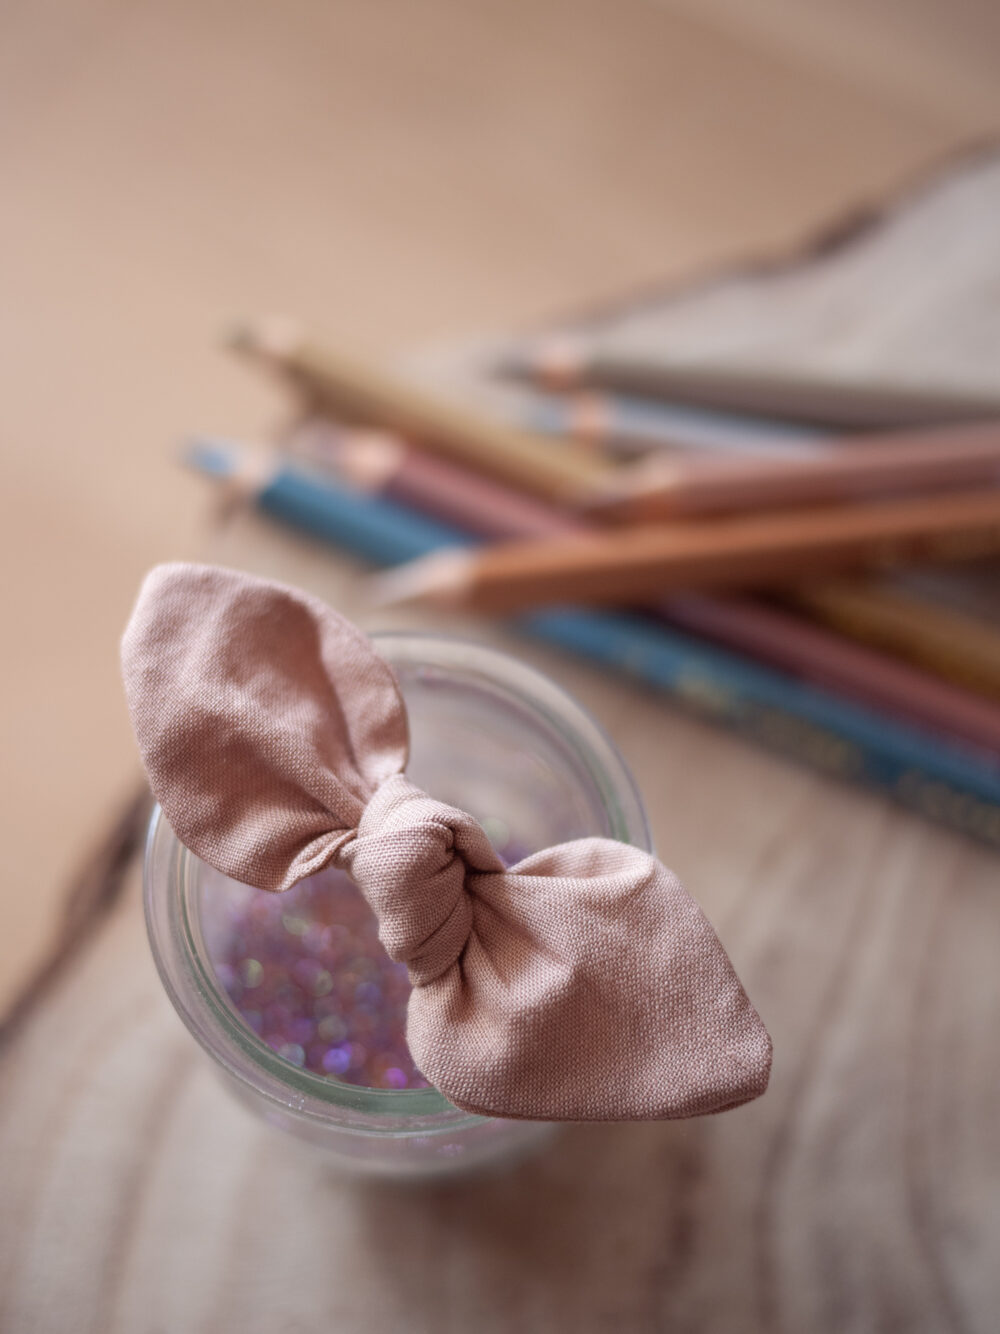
181	957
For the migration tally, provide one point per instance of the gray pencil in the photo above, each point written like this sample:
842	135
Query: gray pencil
834	402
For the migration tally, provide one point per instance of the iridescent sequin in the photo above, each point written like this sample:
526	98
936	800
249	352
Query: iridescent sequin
307	973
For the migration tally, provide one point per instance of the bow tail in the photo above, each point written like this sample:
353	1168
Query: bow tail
622	1006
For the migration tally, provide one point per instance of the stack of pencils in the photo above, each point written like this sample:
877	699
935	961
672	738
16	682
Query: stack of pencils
818	578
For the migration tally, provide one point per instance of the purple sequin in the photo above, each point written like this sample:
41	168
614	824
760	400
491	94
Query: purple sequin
307	973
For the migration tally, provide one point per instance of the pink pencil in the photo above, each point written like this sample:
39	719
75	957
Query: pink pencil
840	665
375	461
387	466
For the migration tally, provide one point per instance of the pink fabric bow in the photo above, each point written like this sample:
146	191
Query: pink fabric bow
581	984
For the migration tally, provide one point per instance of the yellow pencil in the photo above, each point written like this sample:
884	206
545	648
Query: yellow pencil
948	642
555	469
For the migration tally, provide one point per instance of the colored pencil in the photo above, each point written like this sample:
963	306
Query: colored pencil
894	463
972	588
768	550
957	646
631	426
942	780
485	510
556	469
794	644
840	403
346	516
387	466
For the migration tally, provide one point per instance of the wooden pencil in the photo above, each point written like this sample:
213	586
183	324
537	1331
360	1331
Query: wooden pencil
768	550
486	510
885	463
949	642
853	670
630	427
840	403
556	469
382	464
972	588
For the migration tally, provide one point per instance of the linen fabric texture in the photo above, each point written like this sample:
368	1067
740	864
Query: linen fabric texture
581	984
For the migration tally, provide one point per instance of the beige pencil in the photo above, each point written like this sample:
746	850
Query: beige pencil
633	565
557	470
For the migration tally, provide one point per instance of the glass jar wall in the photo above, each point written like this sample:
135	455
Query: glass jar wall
292	995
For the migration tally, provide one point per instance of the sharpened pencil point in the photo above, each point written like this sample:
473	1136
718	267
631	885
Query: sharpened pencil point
215	458
632	482
276	337
555	362
245	469
440	578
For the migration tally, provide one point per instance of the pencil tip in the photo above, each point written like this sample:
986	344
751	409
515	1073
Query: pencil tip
554	362
215	458
439	577
244	468
644	479
275	337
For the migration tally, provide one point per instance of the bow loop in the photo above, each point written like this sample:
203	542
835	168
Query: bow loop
265	723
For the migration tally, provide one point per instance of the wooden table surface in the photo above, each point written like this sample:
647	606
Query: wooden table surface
399	175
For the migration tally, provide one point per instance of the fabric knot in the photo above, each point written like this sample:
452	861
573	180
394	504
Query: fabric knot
410	858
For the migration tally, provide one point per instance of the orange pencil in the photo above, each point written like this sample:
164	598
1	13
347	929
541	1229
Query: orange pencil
637	564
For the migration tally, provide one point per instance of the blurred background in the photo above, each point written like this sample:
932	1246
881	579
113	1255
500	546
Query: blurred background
402	179
397	176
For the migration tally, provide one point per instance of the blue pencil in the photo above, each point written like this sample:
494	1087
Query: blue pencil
938	778
638	424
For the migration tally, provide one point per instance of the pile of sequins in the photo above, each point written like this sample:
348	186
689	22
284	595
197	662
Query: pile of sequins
307	973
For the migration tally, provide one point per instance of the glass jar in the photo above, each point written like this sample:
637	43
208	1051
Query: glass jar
487	734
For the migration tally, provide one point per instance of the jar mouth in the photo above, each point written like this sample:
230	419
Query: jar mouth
182	958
